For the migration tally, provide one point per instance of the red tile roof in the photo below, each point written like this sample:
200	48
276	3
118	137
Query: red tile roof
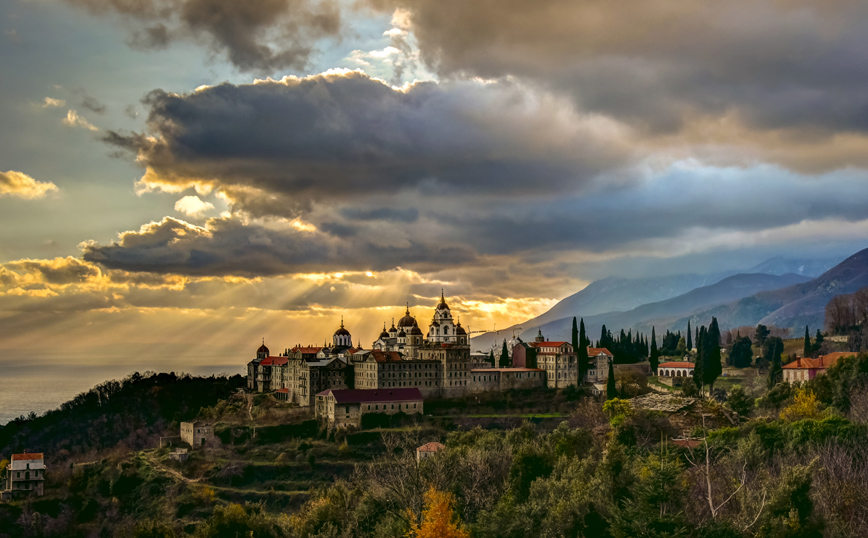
677	364
309	349
274	361
386	356
506	370
594	351
549	344
285	391
343	396
824	361
33	456
433	446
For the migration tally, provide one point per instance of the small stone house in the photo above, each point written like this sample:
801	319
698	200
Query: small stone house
197	433
428	449
25	474
345	407
805	369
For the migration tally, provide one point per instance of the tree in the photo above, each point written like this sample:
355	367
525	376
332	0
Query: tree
689	337
804	406
741	355
504	356
807	350
582	351
491	358
699	362
772	349
711	368
762	333
739	401
611	387
654	357
817	348
438	518
681	350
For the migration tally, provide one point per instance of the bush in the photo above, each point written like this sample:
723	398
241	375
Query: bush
740	402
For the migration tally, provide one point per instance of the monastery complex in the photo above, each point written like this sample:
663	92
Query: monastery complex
437	362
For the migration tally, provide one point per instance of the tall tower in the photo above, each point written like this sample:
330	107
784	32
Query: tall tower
442	329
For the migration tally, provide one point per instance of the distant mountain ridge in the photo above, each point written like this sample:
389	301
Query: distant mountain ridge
668	313
797	305
607	295
641	303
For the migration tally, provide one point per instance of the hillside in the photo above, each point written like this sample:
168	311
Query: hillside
666	314
130	413
606	295
794	306
611	296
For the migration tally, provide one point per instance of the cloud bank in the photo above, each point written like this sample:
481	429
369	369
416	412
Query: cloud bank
21	185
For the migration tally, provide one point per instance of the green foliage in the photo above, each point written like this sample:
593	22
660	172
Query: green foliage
806	352
848	374
238	520
582	350
528	464
772	349
741	354
654	356
611	388
761	334
113	412
740	401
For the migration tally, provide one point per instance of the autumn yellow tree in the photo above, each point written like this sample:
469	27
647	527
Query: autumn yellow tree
804	406
438	518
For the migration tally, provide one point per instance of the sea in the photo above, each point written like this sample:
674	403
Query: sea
26	388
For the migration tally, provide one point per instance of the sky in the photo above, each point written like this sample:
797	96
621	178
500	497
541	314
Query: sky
182	178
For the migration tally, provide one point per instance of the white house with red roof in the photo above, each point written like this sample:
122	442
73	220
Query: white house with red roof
804	369
25	475
345	407
598	365
676	369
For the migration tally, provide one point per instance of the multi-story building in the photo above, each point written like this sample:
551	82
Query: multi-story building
197	433
343	407
805	368
25	474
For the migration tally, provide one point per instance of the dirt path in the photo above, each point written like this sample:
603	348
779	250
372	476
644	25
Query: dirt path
172	472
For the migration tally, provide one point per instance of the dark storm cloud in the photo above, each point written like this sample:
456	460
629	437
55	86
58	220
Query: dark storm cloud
343	136
658	63
255	35
228	247
390	214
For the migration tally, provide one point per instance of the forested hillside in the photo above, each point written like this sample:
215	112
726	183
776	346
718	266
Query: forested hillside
129	413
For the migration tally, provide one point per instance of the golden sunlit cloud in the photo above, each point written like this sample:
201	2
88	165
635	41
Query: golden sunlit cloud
193	206
49	102
72	119
21	185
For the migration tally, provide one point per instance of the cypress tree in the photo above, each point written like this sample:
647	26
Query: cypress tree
582	351
689	338
611	388
807	352
491	359
504	356
653	358
775	370
699	362
712	367
575	341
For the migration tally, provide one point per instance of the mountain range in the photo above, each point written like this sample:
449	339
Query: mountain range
780	291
